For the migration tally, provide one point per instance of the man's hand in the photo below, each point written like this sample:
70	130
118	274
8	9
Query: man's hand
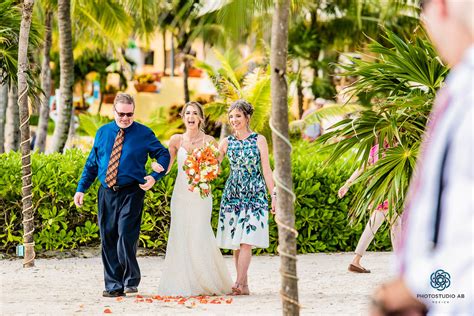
79	199
394	296
150	181
157	167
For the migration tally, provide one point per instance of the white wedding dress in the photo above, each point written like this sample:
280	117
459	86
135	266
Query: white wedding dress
193	264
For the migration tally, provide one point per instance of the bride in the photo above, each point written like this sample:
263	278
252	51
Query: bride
193	262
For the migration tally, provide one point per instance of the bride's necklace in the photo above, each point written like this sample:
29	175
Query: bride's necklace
194	141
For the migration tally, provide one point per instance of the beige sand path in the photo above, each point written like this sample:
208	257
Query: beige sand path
74	286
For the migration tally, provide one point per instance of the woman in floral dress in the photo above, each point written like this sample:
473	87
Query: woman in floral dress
243	217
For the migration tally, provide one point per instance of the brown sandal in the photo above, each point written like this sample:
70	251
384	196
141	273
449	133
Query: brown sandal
236	290
356	269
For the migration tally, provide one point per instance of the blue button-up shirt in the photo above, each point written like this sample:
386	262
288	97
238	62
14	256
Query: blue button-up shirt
139	143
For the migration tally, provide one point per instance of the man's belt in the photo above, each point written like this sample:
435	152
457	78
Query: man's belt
121	187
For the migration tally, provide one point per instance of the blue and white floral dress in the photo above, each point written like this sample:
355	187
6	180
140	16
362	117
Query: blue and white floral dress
243	217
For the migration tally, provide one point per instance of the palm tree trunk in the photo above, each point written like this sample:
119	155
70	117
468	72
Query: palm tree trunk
72	131
299	90
282	152
172	56
28	219
186	78
66	64
42	131
12	125
164	52
225	131
3	113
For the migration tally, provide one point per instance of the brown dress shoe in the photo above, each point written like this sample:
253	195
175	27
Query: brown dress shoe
356	269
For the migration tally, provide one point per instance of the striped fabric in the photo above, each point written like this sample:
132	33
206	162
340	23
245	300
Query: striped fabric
112	169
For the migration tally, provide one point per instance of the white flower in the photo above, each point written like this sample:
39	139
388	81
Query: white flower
191	172
204	186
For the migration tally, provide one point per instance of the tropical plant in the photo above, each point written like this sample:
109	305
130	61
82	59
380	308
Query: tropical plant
321	218
163	125
328	111
398	89
9	40
233	81
144	78
186	21
90	123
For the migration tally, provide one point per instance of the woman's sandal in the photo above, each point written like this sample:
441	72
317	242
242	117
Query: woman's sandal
236	290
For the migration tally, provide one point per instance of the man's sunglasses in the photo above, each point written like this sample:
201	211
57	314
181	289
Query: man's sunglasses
122	114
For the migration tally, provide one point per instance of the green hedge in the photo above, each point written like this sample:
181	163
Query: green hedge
321	218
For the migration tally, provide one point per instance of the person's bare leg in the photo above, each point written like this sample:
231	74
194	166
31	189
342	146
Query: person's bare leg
245	256
236	262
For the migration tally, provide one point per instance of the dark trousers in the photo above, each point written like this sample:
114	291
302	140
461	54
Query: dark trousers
119	222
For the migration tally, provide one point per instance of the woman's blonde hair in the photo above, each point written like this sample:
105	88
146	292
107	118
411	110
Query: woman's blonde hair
200	111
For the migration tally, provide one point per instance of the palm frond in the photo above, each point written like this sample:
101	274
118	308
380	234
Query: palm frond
399	87
161	126
91	123
257	90
216	111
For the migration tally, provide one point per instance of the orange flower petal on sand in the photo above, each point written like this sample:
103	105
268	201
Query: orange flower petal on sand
139	296
107	311
149	300
119	299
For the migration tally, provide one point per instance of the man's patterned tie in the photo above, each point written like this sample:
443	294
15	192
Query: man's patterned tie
112	169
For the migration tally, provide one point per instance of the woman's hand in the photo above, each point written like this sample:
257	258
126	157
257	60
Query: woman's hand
274	204
157	167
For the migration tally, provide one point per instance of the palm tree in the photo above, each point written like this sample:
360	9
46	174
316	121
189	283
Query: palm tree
66	61
12	125
9	36
233	81
104	26
3	112
398	90
28	219
282	152
187	24
322	30
9	30
42	130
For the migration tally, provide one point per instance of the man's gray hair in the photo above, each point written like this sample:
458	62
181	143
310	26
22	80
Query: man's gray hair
124	98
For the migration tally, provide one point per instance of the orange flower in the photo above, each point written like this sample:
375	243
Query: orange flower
107	311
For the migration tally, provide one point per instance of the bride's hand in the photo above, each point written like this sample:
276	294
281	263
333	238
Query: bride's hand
274	203
157	167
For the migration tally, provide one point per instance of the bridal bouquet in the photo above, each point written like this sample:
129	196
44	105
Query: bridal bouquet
201	166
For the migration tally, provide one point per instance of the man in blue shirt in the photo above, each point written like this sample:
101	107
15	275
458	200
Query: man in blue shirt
118	157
